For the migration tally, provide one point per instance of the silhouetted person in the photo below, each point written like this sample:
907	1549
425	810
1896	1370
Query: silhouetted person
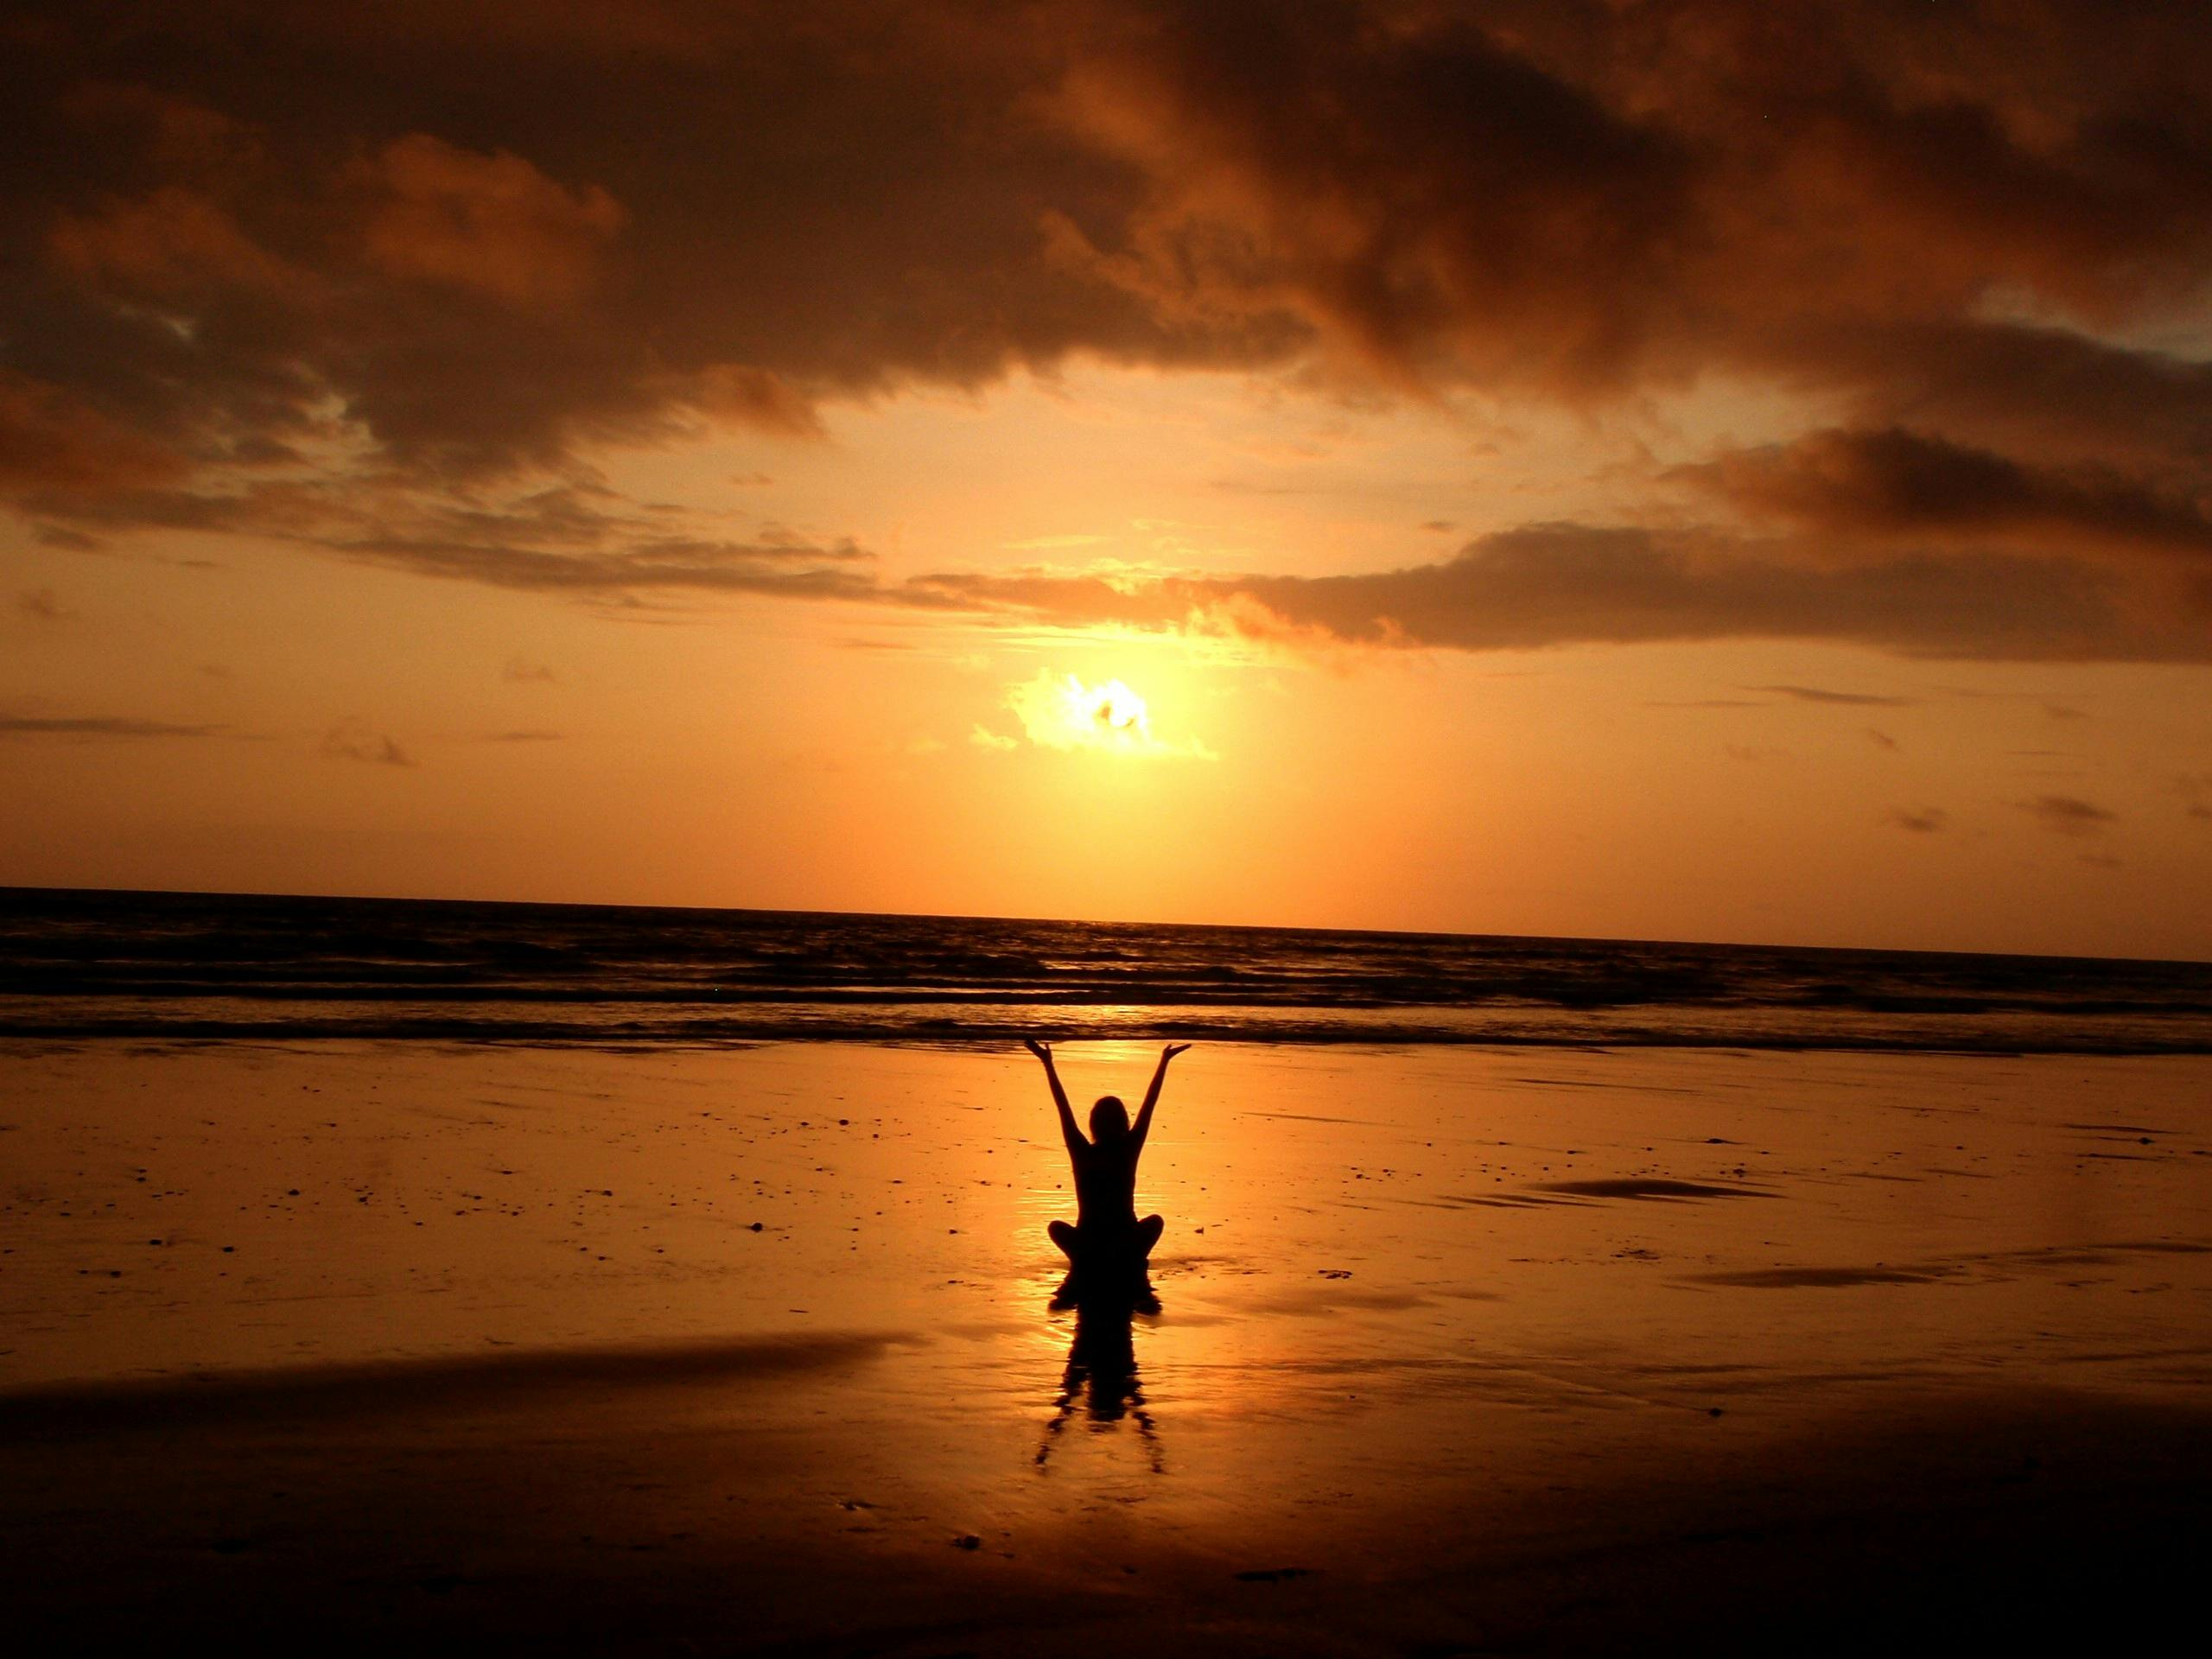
1106	1237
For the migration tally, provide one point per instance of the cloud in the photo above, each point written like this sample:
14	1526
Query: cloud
491	223
1927	821
350	739
520	737
1580	584
2067	815
1571	198
1845	699
333	277
40	605
1894	485
98	725
983	737
574	538
521	670
1881	740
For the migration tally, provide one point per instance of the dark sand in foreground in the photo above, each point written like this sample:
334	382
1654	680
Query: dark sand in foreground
1478	1351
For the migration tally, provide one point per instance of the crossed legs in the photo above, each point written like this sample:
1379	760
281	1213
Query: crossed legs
1070	1238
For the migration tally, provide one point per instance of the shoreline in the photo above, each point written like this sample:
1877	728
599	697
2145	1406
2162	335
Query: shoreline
602	1039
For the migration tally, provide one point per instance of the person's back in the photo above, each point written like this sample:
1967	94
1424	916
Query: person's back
1105	1168
1106	1173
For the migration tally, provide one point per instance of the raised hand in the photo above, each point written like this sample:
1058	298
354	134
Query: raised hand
1143	1125
1069	1133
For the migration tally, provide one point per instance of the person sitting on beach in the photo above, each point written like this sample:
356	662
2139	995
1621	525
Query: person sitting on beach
1106	1229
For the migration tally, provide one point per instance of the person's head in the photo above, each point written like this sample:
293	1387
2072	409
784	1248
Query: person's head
1109	1120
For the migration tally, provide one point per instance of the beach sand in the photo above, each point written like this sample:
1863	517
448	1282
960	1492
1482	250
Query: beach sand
361	1346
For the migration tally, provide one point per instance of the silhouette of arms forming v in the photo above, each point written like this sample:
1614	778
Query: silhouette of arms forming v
1074	1136
1106	1237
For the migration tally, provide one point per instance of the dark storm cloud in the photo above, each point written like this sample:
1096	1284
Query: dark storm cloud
385	252
491	234
1894	485
2044	392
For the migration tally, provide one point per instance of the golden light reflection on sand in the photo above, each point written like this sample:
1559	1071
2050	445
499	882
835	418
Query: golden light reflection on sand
1671	1229
1422	1295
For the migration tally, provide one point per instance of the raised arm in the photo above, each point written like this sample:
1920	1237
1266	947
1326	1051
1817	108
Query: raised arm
1069	1133
1151	1095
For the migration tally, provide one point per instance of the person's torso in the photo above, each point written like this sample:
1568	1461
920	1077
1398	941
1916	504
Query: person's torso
1105	1186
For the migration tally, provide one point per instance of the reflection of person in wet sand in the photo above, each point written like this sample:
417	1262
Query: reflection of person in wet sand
1107	1237
1101	1379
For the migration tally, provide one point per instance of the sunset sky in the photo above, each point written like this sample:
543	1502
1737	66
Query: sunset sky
1718	471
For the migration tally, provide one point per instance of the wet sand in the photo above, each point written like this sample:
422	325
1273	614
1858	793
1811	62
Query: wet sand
358	1346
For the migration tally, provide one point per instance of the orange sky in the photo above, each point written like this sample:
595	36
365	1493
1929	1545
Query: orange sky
1675	470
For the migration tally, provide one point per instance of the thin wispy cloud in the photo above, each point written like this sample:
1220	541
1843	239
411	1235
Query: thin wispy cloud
353	740
2195	792
2069	815
96	725
1579	584
1841	699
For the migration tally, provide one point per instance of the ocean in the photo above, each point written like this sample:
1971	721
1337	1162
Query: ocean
84	965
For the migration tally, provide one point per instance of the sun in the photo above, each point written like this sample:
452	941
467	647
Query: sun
1112	711
1108	715
1063	711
